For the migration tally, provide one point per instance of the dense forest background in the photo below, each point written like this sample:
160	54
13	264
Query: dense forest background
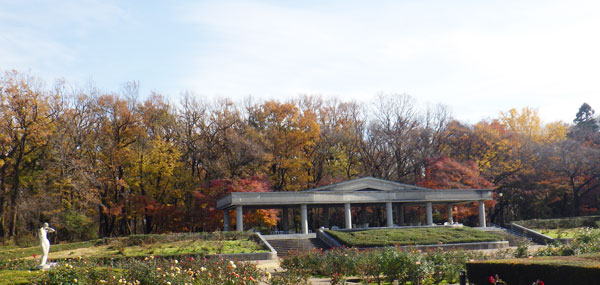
100	163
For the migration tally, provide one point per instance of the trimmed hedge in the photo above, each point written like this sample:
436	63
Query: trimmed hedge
562	223
553	271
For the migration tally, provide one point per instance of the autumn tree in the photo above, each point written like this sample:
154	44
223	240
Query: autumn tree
335	156
210	219
288	136
117	130
447	173
575	168
26	123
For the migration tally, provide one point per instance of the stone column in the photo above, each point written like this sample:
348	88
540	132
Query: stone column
450	219
348	215
389	214
285	219
482	214
429	210
401	210
226	220
239	218
304	218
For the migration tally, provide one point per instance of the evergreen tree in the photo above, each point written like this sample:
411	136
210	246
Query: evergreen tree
586	126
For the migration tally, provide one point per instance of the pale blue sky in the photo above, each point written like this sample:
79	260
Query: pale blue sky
477	57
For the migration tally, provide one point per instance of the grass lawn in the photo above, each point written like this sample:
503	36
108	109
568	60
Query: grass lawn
143	245
10	277
559	233
412	236
202	247
12	252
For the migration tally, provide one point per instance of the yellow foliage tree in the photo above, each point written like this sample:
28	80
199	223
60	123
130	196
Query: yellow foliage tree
289	136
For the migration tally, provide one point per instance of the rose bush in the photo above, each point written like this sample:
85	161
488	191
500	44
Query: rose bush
153	271
382	265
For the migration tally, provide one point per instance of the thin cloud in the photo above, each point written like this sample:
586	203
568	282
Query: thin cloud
495	56
478	57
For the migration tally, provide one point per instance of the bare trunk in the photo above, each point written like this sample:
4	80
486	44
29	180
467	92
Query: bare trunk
14	197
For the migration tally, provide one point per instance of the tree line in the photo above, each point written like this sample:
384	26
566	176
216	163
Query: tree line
108	163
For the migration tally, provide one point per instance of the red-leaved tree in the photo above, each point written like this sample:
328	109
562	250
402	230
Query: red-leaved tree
447	173
209	218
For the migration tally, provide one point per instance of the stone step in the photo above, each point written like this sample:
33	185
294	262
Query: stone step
285	246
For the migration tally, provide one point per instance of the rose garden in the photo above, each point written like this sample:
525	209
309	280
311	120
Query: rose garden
396	249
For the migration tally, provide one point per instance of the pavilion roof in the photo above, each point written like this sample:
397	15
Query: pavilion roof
366	184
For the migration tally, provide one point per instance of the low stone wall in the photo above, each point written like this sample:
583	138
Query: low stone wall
328	239
272	254
289	236
246	256
535	236
464	246
397	227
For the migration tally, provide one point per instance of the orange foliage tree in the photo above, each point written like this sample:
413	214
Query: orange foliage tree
210	218
447	173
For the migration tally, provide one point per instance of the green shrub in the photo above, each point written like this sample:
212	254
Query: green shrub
370	267
307	263
27	240
447	265
400	265
338	263
522	251
76	227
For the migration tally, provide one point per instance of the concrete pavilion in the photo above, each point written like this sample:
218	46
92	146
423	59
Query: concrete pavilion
366	191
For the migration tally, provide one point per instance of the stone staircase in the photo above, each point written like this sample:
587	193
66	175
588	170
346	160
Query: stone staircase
285	246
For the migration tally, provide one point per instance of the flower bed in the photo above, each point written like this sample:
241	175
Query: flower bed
149	270
155	271
381	265
107	261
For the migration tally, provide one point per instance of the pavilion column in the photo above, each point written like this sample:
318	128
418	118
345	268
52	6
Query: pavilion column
348	215
304	218
482	214
285	219
225	220
429	210
389	214
401	210
450	219
239	218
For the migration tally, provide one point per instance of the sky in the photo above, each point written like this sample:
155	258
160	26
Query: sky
477	57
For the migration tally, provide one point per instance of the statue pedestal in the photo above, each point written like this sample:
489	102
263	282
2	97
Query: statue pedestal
47	266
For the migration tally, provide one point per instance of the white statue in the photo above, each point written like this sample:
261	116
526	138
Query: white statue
44	230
